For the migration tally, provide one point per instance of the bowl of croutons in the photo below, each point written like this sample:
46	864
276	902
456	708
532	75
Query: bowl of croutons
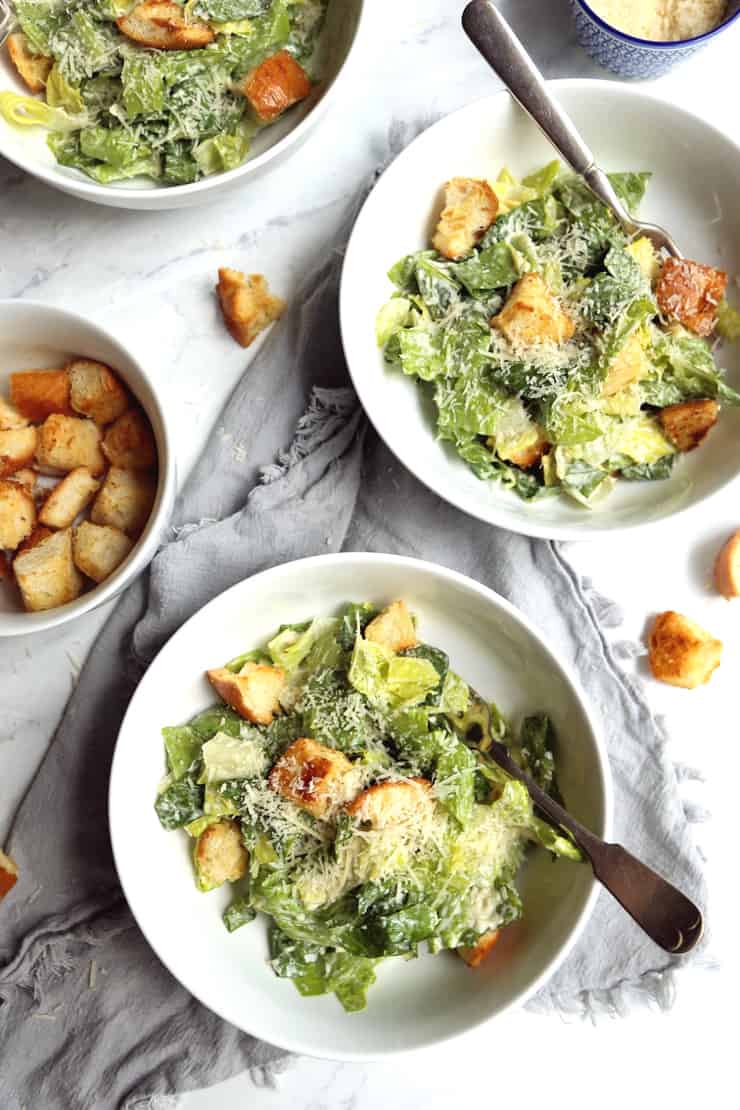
86	471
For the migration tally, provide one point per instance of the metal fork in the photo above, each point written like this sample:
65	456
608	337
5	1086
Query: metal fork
494	38
7	20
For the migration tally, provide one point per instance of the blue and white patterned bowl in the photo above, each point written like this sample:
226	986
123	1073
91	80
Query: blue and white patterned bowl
632	57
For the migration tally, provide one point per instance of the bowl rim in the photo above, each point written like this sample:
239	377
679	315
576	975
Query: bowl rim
655	44
300	568
493	514
88	190
29	623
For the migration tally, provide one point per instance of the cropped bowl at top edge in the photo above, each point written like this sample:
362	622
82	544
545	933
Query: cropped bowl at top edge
57	333
692	192
27	148
414	1003
628	56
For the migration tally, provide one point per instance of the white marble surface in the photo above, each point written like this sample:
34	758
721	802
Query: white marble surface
149	275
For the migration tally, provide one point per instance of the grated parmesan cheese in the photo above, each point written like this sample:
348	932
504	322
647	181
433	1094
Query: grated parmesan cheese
661	20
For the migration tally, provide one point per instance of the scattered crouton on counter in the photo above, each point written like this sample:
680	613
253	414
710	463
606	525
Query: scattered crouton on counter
681	652
78	480
8	874
275	85
470	209
247	305
46	574
727	568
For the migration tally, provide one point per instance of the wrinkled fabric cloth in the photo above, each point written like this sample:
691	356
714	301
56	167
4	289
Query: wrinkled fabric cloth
89	1017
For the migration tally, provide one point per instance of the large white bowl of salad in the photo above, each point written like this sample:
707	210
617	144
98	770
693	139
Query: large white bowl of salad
307	826
517	351
167	103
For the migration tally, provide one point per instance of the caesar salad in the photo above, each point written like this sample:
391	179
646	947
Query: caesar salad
342	788
173	91
561	356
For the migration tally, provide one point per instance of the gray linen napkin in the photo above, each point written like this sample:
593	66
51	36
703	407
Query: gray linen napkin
90	1019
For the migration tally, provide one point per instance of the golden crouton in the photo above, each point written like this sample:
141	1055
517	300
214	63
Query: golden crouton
630	365
39	533
67	500
476	954
275	85
643	252
254	693
33	68
470	209
95	391
688	424
311	775
17	514
67	442
247	305
8	874
532	315
682	653
10	417
39	393
129	442
727	568
691	293
17	448
125	501
220	855
525	454
162	25
46	573
98	549
391	803
394	628
25	477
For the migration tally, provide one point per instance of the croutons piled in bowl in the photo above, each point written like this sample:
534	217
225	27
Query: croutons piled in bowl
81	469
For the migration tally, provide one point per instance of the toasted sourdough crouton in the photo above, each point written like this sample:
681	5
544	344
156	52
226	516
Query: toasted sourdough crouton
391	803
8	874
67	442
310	775
67	500
691	293
524	456
275	85
682	653
25	477
39	533
33	68
17	514
470	209
39	393
393	628
475	954
220	855
95	391
254	693
162	25
727	568
129	442
10	417
630	365
125	501
46	573
688	423
17	448
98	549
247	304
532	315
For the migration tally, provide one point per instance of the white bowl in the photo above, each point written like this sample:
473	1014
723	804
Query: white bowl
26	147
414	1003
37	336
693	193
